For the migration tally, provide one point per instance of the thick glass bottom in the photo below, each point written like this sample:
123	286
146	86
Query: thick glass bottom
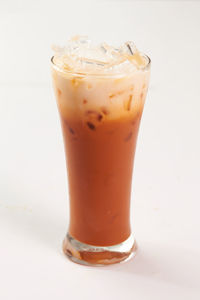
98	256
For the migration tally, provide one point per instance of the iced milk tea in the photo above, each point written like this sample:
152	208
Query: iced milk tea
100	95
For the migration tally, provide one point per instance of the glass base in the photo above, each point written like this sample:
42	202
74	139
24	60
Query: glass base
89	255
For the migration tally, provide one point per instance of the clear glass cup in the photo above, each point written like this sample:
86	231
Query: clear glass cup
100	116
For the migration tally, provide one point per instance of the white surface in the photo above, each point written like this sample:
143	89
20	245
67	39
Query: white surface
33	195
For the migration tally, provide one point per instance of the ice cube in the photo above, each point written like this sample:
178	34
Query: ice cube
58	49
128	48
112	55
79	42
82	39
103	48
92	62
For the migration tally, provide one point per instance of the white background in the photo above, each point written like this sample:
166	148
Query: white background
33	192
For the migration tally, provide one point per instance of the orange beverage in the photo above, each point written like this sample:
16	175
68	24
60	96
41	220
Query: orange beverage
100	116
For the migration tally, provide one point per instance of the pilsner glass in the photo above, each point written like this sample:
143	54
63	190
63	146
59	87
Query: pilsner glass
100	117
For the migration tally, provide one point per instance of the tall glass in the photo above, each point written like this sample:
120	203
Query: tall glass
100	117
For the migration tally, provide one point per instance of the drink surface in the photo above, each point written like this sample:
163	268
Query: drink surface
100	109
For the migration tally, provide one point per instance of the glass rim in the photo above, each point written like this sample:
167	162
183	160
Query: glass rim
100	75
